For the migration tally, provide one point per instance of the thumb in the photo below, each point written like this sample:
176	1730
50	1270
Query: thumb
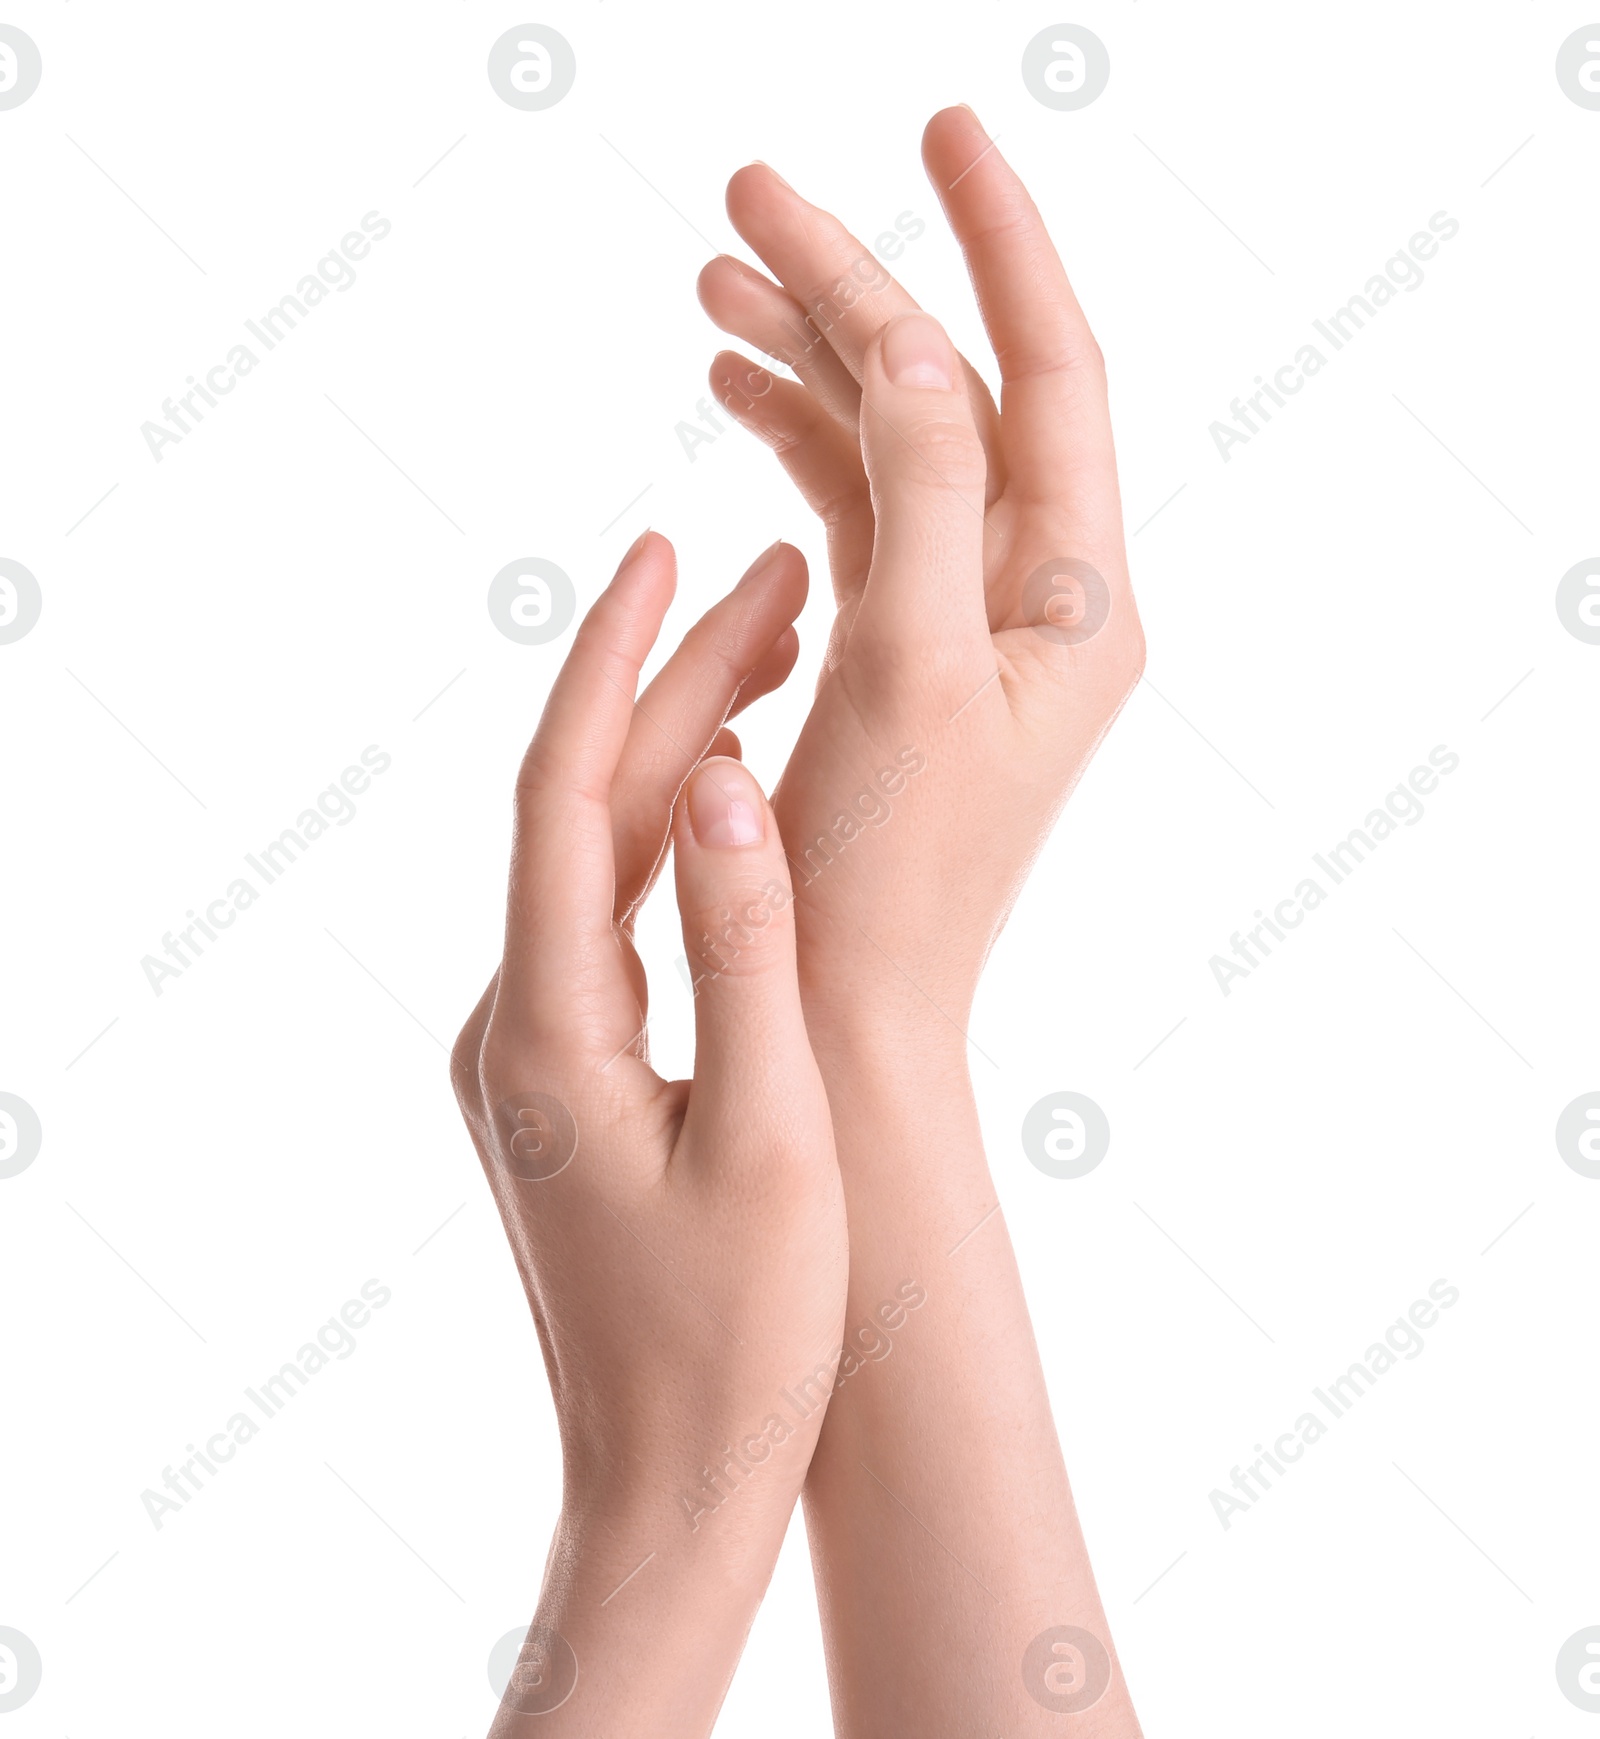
738	930
925	461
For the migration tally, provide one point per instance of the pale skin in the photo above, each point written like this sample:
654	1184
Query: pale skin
985	639
682	1244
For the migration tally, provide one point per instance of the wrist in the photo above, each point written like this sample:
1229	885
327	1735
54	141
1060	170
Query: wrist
715	1518
905	1046
639	1625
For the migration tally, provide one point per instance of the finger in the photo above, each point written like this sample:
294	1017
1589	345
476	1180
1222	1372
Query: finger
1056	424
771	673
924	595
738	932
822	458
747	304
561	951
847	293
727	745
744	636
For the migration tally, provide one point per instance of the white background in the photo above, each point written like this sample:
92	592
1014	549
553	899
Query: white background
1293	1166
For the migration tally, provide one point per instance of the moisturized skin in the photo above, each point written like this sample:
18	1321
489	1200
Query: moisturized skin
682	1244
941	1521
688	1262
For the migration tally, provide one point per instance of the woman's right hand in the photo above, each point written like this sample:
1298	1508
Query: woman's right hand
986	634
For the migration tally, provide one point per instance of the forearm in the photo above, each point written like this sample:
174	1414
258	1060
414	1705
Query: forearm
938	1504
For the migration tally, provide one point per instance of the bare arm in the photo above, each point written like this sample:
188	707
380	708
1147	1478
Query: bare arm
985	640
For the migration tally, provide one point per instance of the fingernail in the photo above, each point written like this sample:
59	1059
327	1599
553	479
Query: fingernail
917	353
760	565
725	806
634	547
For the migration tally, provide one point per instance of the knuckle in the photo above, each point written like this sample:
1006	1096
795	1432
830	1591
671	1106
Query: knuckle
724	642
537	779
465	1055
1124	638
738	387
530	1130
788	445
830	301
512	1060
1117	661
1077	363
944	453
743	934
549	797
841	505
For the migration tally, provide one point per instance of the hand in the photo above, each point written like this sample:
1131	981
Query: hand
682	1244
986	633
985	639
